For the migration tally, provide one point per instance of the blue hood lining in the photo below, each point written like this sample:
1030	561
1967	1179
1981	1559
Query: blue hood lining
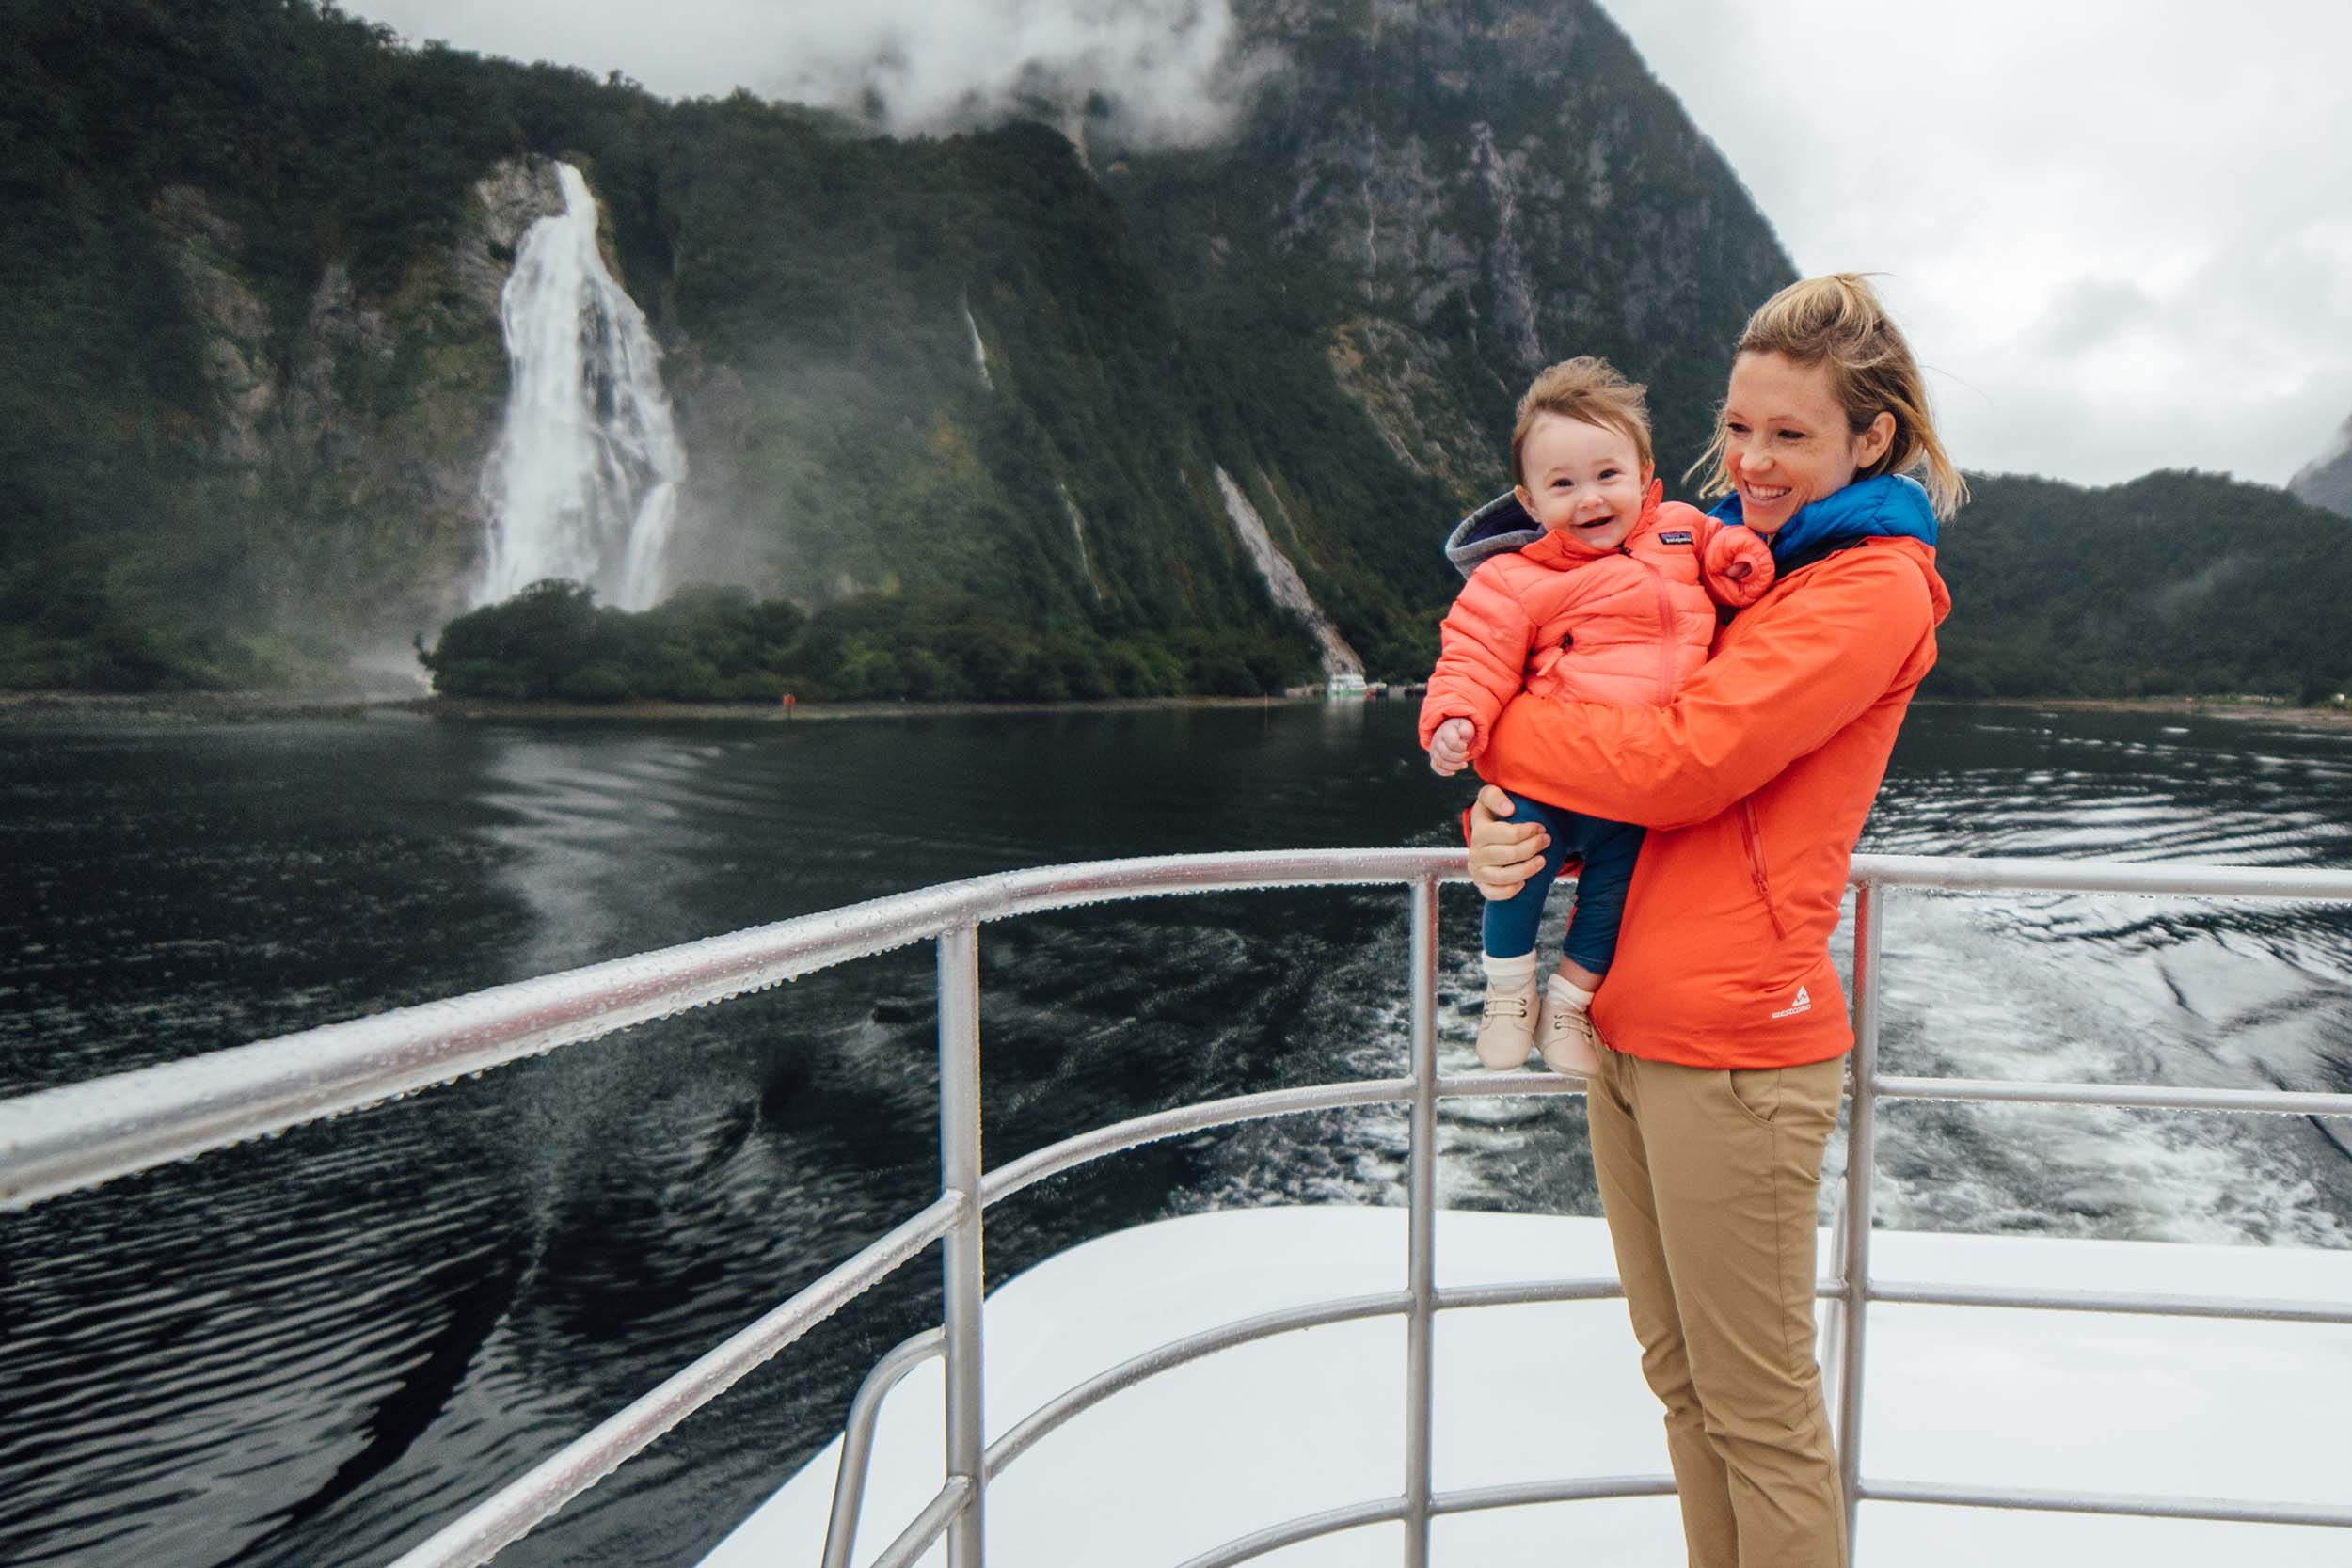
1888	506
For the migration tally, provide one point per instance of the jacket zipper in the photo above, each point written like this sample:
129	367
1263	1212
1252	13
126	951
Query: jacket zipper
1753	837
1750	834
1665	627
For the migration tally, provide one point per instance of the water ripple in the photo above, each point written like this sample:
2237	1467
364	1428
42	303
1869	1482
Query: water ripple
312	1349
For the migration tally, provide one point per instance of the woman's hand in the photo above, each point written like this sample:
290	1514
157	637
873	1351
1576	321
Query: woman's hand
1502	853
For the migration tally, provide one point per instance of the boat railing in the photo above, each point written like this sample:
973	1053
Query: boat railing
81	1135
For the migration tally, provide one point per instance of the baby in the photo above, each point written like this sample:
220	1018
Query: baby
1582	584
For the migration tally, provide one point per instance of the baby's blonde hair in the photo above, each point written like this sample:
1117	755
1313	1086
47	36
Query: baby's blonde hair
1590	392
1838	321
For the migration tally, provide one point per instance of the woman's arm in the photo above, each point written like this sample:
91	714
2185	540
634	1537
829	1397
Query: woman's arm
1812	662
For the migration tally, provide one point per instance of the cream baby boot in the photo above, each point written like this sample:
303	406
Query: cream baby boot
1564	1031
1506	1022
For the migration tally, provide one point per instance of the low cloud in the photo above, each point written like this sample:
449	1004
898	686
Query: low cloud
1157	71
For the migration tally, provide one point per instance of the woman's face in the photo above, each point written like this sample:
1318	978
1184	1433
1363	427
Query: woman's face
1787	442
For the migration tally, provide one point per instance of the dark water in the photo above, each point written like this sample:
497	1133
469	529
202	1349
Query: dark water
310	1350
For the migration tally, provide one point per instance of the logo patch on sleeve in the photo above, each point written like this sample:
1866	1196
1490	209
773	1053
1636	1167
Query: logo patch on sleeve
1677	538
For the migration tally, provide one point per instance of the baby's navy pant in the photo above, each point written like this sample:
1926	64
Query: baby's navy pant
1608	850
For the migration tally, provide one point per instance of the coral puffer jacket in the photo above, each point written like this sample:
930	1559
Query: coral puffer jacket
1755	783
1558	618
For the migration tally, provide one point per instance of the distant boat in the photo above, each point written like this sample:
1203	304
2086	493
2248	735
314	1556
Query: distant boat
1345	685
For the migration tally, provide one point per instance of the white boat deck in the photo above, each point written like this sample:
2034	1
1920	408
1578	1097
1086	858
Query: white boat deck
1308	1421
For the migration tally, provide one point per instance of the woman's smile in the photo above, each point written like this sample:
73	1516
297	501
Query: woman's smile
1787	442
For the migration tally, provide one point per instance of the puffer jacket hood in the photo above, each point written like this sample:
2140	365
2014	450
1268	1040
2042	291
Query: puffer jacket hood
1498	528
1503	526
1891	506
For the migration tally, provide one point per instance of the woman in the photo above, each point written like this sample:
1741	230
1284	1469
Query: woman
1722	1021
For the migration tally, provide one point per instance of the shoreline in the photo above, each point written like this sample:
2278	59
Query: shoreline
251	707
468	709
2240	709
246	707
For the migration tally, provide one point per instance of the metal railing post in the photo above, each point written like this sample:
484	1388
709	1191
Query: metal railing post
959	1171
1869	915
1422	1248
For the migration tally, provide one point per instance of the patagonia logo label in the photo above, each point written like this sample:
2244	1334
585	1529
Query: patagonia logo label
1803	1004
1676	538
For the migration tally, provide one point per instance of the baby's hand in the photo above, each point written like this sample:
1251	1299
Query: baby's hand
1741	565
1449	747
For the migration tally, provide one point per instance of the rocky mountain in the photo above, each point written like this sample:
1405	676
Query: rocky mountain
255	255
1468	192
1037	409
2327	479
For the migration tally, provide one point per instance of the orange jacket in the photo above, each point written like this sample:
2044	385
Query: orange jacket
1557	618
1755	783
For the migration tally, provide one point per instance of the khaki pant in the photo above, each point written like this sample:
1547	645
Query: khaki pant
1708	1181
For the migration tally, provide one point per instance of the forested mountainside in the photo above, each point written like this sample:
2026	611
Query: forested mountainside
2327	479
1023	412
253	251
2176	583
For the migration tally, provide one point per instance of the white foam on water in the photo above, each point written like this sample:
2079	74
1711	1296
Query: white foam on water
1970	994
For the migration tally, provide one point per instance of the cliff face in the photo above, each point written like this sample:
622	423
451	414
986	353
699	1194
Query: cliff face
1482	188
1436	201
360	427
984	362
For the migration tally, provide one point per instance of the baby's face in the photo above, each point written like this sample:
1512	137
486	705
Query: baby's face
1584	479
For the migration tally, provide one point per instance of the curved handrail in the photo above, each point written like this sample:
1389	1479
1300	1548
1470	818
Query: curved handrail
1390	1510
1176	1353
510	1512
857	1438
1071	1152
80	1135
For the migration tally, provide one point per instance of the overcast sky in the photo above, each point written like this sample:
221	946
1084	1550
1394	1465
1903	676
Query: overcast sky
2119	233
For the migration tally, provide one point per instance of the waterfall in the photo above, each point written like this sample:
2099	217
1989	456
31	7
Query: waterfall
1078	533
584	483
1283	582
979	350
